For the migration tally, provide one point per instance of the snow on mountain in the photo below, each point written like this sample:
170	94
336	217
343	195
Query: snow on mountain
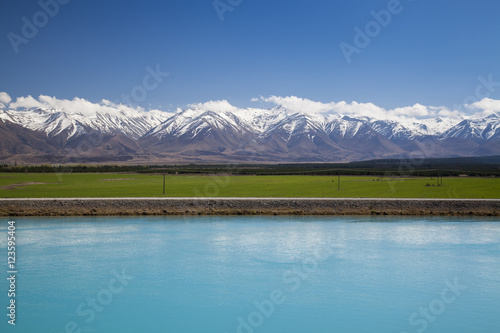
474	127
261	122
297	124
72	124
222	121
193	121
391	129
59	122
344	127
409	129
492	129
208	133
436	126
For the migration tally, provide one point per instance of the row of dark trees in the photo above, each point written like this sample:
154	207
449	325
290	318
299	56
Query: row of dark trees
482	166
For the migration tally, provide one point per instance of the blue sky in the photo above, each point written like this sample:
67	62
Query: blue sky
431	52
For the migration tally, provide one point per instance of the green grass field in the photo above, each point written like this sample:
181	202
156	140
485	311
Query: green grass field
50	185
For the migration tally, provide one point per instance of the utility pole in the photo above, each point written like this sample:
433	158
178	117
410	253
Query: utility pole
440	178
163	184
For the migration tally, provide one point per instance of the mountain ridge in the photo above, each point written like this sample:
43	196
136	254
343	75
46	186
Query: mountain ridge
208	135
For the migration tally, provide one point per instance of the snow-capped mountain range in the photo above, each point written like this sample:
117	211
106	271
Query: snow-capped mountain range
73	124
240	135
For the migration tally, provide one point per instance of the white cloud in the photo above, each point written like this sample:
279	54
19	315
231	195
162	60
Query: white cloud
76	105
292	103
296	104
449	113
4	99
487	104
417	110
360	109
26	103
221	105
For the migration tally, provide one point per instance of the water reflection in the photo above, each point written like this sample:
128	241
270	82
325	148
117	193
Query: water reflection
334	271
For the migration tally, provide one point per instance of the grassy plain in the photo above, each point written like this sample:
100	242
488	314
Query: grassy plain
51	185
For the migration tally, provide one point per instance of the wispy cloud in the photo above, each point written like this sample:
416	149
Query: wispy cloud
221	105
25	103
75	105
486	105
418	111
4	99
293	104
297	104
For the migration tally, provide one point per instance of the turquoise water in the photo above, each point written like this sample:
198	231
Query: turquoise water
254	274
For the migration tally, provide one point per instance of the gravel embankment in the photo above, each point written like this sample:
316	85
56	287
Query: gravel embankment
246	206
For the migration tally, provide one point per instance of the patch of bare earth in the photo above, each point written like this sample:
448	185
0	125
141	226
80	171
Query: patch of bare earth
16	186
